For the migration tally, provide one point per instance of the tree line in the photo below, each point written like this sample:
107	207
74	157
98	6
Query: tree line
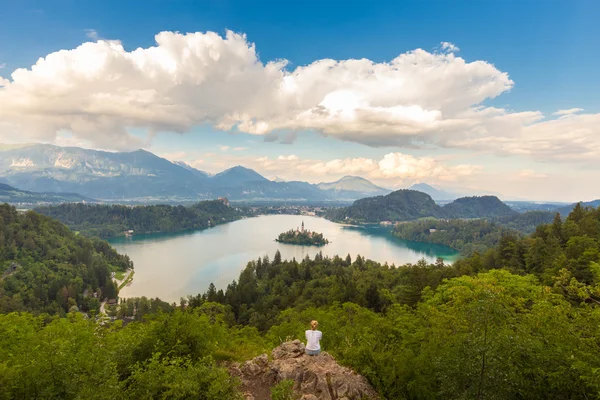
107	221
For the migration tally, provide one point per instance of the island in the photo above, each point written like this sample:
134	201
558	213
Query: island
302	237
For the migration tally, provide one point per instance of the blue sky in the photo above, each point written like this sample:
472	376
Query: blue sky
547	48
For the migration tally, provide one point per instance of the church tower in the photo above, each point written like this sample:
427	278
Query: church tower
302	226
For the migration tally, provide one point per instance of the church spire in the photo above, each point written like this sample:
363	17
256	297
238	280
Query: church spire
302	226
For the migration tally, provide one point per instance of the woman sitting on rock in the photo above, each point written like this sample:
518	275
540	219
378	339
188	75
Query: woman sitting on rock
313	336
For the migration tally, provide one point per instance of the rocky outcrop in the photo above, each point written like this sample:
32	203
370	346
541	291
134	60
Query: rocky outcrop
315	377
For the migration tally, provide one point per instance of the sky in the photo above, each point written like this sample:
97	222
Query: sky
494	96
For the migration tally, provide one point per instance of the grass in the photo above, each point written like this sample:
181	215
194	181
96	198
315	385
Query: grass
119	275
126	281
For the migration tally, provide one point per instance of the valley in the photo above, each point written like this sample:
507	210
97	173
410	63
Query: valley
309	200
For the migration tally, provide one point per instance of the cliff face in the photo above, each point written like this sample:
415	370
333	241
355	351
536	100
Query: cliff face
315	377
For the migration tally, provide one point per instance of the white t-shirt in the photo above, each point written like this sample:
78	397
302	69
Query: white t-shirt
312	339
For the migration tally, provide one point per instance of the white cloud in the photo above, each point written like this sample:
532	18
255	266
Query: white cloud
291	157
92	34
99	91
239	148
449	46
405	166
395	167
224	148
2	65
570	111
572	137
527	173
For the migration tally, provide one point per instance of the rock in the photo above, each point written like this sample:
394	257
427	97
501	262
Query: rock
255	366
315	377
262	360
288	350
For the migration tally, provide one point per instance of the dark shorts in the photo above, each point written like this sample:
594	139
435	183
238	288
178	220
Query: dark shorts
313	352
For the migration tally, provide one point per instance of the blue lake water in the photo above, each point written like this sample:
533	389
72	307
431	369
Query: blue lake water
171	266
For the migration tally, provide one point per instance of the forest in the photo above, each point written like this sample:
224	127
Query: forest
466	235
518	321
107	221
472	235
46	268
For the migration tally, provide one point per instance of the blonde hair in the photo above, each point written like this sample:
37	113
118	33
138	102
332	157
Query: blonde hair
313	324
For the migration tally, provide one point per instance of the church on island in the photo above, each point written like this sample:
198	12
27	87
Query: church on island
302	236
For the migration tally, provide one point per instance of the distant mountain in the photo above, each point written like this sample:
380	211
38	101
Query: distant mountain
566	210
187	166
435	193
354	184
98	174
141	176
237	176
401	205
11	195
478	207
278	179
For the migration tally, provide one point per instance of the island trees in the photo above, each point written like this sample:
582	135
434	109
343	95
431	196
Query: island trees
301	236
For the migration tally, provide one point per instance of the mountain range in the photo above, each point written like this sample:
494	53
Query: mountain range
143	176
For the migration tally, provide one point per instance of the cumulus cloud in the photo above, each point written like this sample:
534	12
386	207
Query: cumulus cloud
392	167
572	137
99	91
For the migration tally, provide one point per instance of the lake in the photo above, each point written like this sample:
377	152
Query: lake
171	266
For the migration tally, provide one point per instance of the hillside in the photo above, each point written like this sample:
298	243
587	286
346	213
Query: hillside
466	236
46	268
106	221
477	207
528	221
11	195
406	205
401	205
